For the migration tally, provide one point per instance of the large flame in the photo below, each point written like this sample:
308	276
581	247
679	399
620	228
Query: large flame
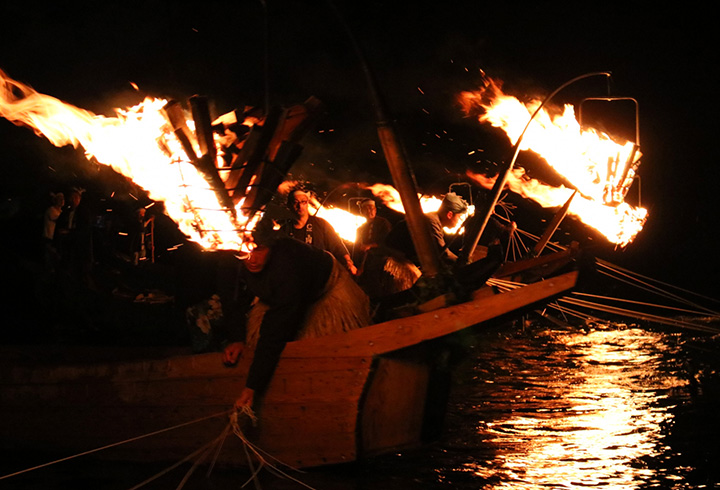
390	197
346	223
139	144
601	169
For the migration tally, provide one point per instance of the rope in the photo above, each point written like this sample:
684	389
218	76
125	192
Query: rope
217	452
503	284
522	247
617	267
660	292
219	443
115	444
683	310
554	246
569	311
202	451
639	315
654	289
508	285
254	452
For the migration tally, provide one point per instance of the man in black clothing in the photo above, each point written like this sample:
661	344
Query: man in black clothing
373	232
314	230
448	215
292	281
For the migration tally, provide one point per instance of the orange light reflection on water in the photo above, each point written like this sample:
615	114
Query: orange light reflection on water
589	422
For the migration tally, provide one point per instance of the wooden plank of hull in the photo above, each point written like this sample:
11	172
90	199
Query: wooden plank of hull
403	332
312	420
309	434
394	406
308	416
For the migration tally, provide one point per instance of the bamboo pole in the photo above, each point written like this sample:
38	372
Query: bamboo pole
557	219
400	170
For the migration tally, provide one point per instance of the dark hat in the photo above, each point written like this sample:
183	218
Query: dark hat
264	232
453	202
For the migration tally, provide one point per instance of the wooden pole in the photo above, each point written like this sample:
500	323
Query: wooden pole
203	126
554	223
400	171
175	116
253	153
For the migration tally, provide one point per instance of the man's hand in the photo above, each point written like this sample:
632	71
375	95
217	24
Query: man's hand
245	399
232	353
350	266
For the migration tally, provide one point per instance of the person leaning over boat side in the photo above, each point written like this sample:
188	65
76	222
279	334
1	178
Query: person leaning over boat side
314	230
448	215
303	292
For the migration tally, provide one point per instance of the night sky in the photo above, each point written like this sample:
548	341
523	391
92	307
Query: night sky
423	55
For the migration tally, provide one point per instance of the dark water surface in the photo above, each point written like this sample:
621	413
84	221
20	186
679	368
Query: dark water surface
607	406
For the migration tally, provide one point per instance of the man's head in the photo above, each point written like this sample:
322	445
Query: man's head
368	209
451	209
258	258
298	201
264	232
58	199
75	196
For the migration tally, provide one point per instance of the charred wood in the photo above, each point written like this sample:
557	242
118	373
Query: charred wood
205	164
203	126
270	177
251	156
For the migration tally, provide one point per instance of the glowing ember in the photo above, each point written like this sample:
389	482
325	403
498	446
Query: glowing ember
599	167
139	144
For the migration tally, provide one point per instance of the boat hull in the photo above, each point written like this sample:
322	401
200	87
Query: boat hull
332	399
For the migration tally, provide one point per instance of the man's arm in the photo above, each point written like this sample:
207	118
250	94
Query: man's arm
336	246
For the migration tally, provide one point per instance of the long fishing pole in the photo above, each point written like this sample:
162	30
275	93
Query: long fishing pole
400	170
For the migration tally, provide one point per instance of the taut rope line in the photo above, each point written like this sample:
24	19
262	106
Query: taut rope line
256	451
653	289
639	315
91	451
643	303
201	451
617	267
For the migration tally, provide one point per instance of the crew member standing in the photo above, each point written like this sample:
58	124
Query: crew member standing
372	233
448	215
314	230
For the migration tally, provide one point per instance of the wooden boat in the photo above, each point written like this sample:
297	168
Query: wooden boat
332	399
